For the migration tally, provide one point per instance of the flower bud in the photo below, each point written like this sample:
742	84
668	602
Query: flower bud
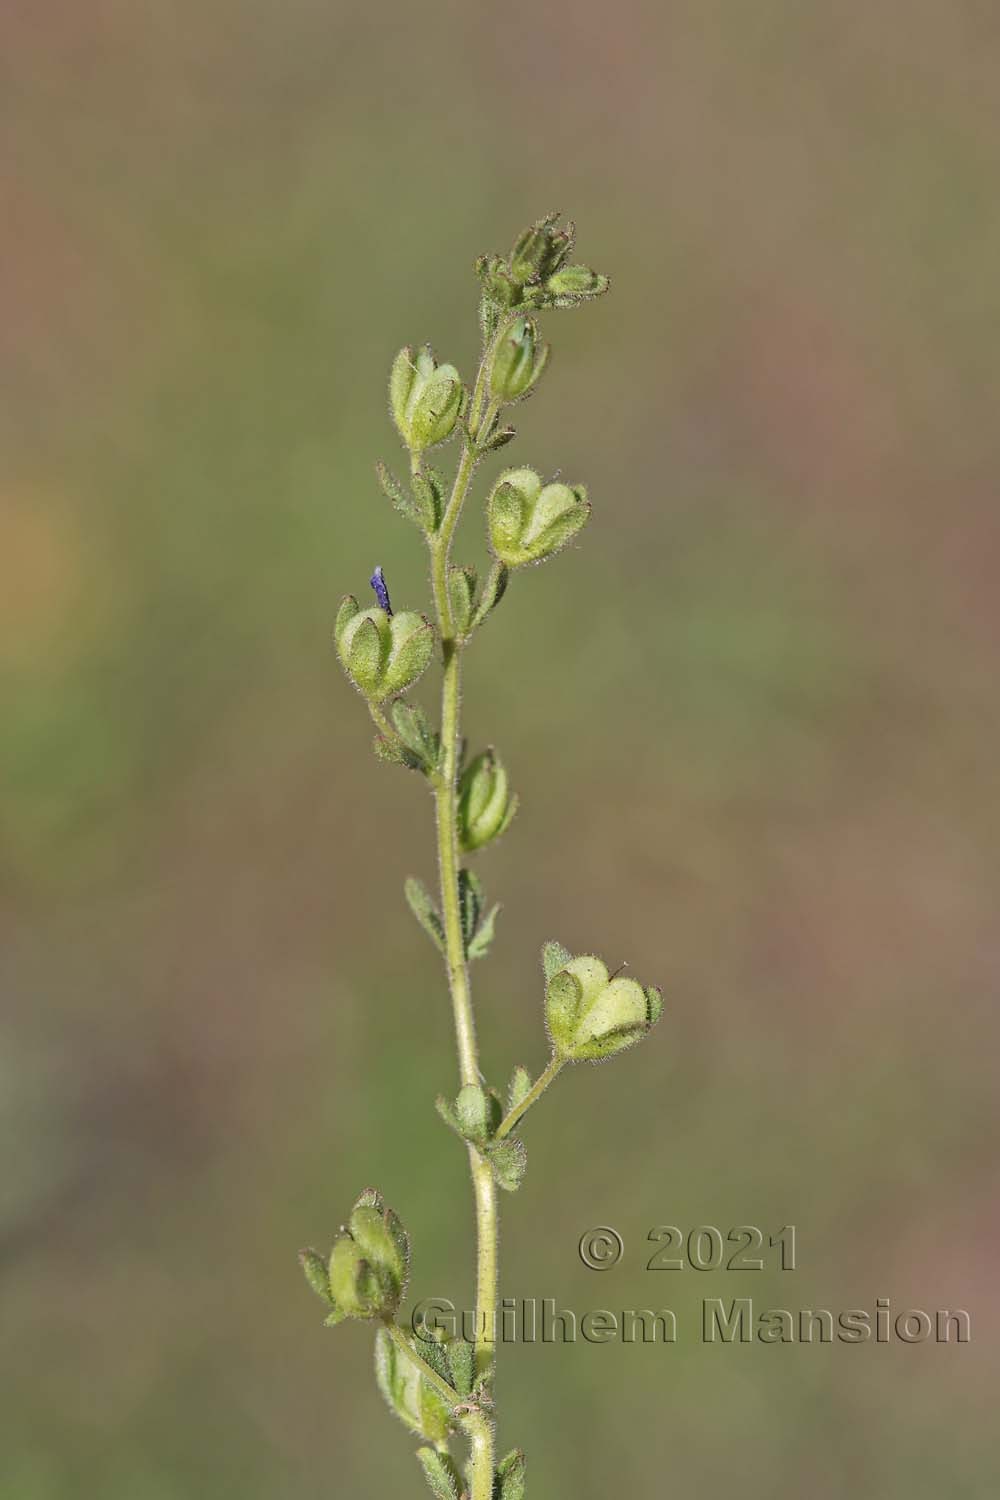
382	654
528	521
485	805
575	284
591	1016
540	250
518	362
368	1265
425	398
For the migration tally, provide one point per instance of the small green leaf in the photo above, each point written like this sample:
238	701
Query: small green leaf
519	1087
446	1111
462	1365
482	940
508	1158
441	1473
423	908
489	311
405	503
472	1112
554	958
410	1395
414	730
389	749
462	597
493	591
314	1267
509	1483
470	904
428	497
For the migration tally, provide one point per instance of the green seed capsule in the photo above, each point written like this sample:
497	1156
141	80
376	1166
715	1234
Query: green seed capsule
529	521
425	399
591	1016
485	804
382	654
518	362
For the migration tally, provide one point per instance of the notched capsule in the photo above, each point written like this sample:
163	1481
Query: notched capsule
529	521
425	398
591	1015
382	654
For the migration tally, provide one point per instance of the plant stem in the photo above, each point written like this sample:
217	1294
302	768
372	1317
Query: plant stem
430	1375
481	1439
481	412
448	860
483	1185
555	1067
380	720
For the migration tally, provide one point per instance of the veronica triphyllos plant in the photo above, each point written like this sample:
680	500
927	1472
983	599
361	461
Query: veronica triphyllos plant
442	1387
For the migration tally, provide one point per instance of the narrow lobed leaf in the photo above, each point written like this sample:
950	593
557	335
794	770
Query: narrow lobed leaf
483	938
462	1365
441	1473
508	1158
315	1269
519	1087
470	904
462	597
428	498
509	1483
423	908
493	591
472	1112
400	498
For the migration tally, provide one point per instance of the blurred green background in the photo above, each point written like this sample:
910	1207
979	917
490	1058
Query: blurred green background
752	717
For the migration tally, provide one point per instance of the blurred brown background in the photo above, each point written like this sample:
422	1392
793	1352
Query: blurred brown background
753	719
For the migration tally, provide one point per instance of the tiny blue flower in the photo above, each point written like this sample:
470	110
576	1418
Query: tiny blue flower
377	581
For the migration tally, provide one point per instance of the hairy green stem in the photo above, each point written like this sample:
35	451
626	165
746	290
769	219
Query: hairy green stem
380	721
483	1184
481	413
479	1428
553	1070
448	860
